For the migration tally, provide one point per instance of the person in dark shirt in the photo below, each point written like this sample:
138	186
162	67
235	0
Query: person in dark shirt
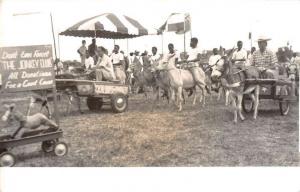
92	51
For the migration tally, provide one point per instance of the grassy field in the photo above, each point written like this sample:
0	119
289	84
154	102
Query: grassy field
197	136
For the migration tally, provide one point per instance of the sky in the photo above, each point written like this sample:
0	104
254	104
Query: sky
215	23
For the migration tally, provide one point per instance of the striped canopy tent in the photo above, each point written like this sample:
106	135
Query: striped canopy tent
110	26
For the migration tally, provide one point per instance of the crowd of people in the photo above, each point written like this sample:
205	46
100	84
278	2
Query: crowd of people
116	65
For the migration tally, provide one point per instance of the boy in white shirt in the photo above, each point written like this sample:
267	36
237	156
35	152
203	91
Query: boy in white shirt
239	57
214	58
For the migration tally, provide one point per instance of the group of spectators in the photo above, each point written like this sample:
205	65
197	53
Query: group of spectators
108	67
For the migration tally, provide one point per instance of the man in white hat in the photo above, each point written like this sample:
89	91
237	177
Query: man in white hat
265	60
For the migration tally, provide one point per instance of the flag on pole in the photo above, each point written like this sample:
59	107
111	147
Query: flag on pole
250	35
177	22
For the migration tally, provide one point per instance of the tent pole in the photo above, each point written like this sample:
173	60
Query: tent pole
56	117
127	47
58	44
162	43
53	36
184	42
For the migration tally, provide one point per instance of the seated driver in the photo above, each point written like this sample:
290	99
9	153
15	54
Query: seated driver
265	60
104	66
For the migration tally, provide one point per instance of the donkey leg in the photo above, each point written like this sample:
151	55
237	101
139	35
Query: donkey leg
70	98
78	103
226	96
203	94
256	102
155	98
239	106
234	110
179	98
195	98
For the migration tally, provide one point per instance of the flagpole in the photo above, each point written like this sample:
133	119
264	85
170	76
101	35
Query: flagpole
53	36
162	43
127	46
184	34
58	44
184	42
250	41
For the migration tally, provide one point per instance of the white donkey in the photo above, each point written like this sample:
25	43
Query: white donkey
26	122
182	79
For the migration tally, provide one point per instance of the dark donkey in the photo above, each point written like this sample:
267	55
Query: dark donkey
233	79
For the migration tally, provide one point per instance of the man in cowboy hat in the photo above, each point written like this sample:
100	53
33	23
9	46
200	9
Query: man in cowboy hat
265	60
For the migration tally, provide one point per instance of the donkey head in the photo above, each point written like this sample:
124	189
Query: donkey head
292	71
220	68
8	115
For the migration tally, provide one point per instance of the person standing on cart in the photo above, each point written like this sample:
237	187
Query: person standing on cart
265	60
92	48
82	52
118	62
104	66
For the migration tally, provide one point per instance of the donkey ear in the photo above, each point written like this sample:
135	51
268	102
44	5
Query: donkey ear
12	106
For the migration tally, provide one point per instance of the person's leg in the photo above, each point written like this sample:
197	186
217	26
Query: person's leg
99	75
107	76
82	60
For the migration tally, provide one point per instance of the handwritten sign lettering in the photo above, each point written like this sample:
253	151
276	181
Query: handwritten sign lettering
26	68
110	89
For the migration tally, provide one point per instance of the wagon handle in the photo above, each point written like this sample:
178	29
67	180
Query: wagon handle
17	131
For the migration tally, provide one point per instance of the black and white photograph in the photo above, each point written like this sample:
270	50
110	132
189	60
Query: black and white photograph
162	83
158	83
149	95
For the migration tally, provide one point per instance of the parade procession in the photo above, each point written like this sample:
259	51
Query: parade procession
126	94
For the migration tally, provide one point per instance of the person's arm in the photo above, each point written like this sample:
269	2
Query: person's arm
274	61
78	51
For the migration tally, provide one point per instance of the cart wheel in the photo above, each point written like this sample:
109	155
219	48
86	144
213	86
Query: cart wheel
247	105
7	159
94	103
60	149
119	103
48	146
284	105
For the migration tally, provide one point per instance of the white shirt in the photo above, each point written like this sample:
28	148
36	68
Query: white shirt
169	58
117	58
107	64
131	58
295	60
154	58
89	62
242	54
193	53
213	59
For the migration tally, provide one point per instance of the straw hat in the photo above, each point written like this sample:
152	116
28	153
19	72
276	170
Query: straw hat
263	38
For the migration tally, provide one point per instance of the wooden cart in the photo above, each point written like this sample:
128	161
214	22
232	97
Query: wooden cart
98	93
280	90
